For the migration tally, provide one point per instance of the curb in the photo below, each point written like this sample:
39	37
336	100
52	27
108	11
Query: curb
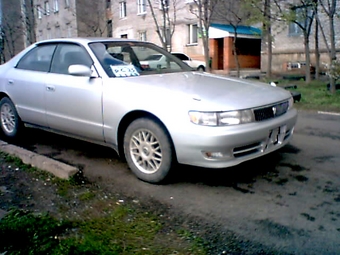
52	166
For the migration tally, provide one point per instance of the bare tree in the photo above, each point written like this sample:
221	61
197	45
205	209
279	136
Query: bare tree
233	13
316	40
17	27
165	22
11	34
302	14
266	12
92	18
204	10
330	8
267	28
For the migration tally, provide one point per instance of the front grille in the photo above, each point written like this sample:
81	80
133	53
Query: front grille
245	150
271	111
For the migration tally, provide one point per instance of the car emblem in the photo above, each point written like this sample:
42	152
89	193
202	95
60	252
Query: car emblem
274	110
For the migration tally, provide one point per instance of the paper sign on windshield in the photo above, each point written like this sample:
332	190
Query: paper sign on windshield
124	71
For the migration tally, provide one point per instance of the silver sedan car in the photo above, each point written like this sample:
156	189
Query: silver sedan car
100	91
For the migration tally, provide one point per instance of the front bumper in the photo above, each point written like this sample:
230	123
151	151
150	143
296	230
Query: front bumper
219	147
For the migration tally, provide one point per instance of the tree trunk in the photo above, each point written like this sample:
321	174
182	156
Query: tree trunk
267	26
317	52
333	52
306	41
237	62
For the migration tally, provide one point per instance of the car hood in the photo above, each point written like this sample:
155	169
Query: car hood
205	91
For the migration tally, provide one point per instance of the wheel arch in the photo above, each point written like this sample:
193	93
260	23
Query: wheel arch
201	67
129	118
3	94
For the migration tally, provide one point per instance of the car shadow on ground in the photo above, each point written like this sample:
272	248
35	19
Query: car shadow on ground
244	173
32	138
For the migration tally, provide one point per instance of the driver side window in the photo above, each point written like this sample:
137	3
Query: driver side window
67	55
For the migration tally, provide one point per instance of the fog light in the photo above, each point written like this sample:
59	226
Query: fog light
213	155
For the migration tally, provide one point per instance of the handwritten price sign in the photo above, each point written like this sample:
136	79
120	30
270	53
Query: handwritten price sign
124	70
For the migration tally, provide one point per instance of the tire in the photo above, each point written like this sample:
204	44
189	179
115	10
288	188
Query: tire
201	68
148	150
9	119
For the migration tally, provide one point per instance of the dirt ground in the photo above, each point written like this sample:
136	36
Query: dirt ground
39	193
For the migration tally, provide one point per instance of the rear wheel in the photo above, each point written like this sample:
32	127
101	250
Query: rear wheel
148	150
9	119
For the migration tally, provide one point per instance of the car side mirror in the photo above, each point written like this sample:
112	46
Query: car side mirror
79	70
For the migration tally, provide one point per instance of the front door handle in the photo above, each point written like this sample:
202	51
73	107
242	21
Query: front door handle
10	82
50	88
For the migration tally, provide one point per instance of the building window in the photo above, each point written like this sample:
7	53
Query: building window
67	3
40	35
49	33
57	31
303	16
69	30
47	8
56	6
124	36
192	32
141	5
164	4
39	10
142	35
294	29
122	9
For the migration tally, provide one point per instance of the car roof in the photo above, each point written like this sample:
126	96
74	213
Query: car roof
86	40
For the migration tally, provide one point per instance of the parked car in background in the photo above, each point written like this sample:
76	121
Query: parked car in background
196	64
108	92
156	61
159	61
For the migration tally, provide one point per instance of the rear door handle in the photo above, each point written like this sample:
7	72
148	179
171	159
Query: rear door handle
10	82
50	88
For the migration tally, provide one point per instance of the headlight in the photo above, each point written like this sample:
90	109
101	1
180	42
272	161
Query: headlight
290	103
221	118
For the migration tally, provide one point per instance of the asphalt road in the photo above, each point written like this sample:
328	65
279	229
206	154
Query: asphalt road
288	201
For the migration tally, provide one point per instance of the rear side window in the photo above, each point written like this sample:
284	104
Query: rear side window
38	59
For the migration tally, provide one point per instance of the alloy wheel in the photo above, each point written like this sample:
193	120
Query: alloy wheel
145	151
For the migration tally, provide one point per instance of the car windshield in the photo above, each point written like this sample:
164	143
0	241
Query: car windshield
123	59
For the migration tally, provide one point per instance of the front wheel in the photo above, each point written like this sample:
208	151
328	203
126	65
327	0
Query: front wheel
201	68
9	119
148	150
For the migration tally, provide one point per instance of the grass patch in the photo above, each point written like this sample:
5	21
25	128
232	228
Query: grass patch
101	227
315	96
62	185
24	233
123	231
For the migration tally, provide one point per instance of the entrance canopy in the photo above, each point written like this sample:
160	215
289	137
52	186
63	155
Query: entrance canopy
222	30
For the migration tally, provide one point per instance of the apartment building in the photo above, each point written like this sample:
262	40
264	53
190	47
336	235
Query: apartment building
17	27
288	41
134	19
71	18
